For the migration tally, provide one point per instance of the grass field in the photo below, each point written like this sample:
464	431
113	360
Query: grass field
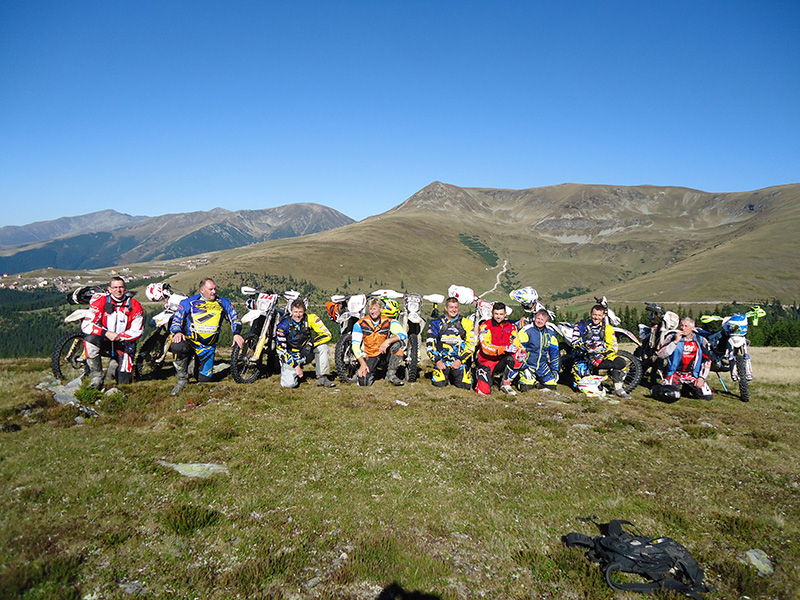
338	493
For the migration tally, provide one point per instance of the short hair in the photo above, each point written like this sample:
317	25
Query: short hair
373	301
599	307
543	311
687	320
450	300
498	306
297	303
204	281
117	278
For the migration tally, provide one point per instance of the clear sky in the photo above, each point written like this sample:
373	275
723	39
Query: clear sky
152	107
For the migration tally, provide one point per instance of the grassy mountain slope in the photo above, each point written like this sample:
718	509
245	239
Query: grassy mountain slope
644	242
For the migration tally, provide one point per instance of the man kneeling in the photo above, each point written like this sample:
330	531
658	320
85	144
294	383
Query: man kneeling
302	338
378	343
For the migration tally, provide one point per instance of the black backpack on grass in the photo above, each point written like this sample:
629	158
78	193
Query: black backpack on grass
662	562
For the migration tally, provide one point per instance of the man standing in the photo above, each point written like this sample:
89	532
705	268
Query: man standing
496	350
450	344
378	341
195	328
596	347
302	338
540	350
114	320
688	360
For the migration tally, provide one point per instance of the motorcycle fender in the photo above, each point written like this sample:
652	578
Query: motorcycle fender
77	315
737	341
161	319
251	316
415	318
628	334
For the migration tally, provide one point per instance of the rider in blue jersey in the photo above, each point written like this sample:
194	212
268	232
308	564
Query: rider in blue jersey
195	328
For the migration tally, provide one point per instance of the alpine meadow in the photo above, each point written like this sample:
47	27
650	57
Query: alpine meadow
255	491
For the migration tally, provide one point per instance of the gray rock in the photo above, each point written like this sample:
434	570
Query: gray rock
759	559
202	470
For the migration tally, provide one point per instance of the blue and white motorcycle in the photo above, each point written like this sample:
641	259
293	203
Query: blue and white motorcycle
731	348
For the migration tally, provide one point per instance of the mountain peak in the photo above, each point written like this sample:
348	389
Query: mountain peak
442	197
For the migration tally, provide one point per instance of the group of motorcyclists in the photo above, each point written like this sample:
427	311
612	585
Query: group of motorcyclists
524	353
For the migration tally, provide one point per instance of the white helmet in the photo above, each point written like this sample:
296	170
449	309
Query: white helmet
591	385
154	292
671	320
526	296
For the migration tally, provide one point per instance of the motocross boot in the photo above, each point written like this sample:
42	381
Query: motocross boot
182	371
391	370
96	372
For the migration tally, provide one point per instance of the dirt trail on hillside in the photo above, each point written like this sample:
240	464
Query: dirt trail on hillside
497	282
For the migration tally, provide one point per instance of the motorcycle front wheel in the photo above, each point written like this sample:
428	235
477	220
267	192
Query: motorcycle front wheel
149	361
245	366
633	371
412	357
69	359
346	362
741	371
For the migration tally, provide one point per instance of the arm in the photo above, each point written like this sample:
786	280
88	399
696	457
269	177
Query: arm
321	334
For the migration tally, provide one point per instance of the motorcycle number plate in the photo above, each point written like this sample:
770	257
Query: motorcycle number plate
265	302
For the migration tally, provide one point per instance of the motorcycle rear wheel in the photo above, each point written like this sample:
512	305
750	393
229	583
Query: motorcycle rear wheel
245	367
346	362
148	363
69	359
744	384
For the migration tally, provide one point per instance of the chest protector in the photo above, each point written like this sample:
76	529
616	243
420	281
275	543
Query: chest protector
451	335
298	334
374	334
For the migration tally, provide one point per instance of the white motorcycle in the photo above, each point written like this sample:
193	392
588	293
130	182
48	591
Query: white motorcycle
68	360
347	310
633	366
730	347
259	351
154	355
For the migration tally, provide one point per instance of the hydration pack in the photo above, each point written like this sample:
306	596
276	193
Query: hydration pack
662	562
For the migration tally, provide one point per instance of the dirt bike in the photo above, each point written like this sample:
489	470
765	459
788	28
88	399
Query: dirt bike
259	353
730	347
347	310
652	336
153	356
633	366
68	360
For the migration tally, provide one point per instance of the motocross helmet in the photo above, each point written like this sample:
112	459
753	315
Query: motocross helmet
735	324
83	295
154	292
671	320
591	385
390	308
526	296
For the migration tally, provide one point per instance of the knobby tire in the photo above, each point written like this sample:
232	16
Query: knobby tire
69	359
244	367
346	362
146	365
744	384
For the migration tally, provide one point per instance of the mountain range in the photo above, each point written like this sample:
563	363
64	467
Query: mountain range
110	238
570	241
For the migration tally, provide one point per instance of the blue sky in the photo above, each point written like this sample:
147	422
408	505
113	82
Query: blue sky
152	107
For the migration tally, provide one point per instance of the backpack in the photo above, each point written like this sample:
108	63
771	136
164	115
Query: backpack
663	561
